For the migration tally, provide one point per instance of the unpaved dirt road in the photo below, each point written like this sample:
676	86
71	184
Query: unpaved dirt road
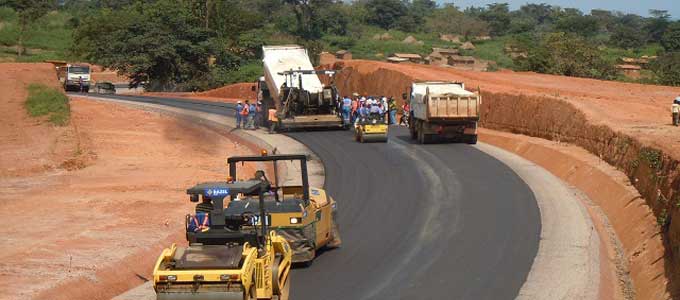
86	208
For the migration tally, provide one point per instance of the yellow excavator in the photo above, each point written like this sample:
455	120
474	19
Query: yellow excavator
224	261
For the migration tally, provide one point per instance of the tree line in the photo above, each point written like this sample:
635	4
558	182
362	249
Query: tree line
198	44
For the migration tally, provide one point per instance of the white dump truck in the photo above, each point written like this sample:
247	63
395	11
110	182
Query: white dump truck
292	87
72	77
444	111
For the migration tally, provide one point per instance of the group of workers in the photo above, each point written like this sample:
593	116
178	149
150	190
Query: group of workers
363	106
249	115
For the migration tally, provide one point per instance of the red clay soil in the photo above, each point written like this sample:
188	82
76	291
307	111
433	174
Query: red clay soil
626	125
29	145
86	208
233	91
230	93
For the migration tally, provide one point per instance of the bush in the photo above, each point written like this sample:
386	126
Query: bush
43	100
667	69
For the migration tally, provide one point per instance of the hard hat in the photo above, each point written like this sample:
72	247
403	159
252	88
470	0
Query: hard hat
238	102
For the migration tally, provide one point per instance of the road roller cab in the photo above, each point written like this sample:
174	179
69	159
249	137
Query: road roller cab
371	128
229	256
304	215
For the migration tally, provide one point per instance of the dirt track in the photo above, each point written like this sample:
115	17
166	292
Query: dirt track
86	208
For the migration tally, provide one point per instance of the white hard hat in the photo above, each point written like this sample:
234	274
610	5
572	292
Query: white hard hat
238	102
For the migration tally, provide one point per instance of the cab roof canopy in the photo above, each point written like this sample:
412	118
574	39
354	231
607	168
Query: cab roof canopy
209	188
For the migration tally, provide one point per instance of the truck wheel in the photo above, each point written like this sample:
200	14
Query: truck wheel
472	140
421	137
413	132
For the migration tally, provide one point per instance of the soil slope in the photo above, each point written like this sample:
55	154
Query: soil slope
86	208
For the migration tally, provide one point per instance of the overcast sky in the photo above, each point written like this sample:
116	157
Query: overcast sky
626	6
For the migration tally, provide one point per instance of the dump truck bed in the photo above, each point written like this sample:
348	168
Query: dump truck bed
444	101
277	59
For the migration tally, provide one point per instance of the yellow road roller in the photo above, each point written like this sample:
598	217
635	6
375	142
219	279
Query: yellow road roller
371	128
306	216
224	260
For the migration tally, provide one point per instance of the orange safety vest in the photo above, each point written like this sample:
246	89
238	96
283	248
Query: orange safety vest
272	115
245	110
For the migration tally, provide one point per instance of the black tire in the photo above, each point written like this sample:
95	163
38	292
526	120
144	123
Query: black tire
472	140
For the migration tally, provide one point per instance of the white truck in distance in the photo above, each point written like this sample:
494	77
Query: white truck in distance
443	110
71	76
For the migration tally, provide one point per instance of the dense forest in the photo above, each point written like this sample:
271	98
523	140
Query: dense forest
199	44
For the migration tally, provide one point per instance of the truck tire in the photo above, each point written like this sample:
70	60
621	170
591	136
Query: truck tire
412	129
421	137
472	140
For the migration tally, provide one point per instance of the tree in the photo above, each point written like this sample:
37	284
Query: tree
385	13
450	20
585	26
657	25
498	17
28	11
565	54
541	13
667	69
671	37
628	32
160	42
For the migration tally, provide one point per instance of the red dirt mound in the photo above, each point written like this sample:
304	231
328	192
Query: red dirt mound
626	125
233	91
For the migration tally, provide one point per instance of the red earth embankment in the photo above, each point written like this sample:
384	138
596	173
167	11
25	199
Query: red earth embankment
232	91
627	125
85	208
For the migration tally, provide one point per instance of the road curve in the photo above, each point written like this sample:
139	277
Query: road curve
418	222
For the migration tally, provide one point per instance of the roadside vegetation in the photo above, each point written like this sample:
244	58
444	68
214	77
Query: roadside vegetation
189	45
46	101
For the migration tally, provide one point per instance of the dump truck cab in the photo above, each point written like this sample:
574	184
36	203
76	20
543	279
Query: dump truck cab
304	215
230	257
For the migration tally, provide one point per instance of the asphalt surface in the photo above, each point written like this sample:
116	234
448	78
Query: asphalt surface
442	221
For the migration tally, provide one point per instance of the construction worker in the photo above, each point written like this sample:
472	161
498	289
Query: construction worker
252	110
392	107
244	114
405	113
355	108
375	109
239	109
346	109
80	83
258	115
675	110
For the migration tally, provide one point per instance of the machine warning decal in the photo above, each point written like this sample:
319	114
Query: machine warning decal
217	192
315	192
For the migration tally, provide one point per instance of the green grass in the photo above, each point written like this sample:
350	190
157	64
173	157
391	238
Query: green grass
493	50
46	101
50	37
363	46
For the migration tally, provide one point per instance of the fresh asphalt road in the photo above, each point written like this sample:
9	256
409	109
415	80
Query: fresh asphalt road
442	221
